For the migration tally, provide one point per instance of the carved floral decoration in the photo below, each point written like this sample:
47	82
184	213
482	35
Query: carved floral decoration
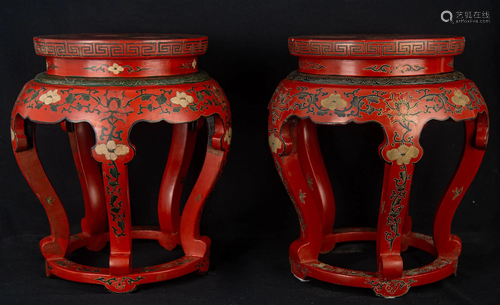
182	99
115	107
115	69
403	154
459	98
274	143
111	150
334	101
50	97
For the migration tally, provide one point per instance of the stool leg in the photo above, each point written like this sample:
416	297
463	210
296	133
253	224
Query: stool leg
192	243
179	158
476	133
308	246
406	231
393	210
319	184
115	174
82	138
55	245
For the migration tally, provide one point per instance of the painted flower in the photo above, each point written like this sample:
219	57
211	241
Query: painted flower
115	68
114	107
111	150
459	98
193	64
218	94
402	109
50	97
334	101
181	98
274	143
228	136
12	135
403	154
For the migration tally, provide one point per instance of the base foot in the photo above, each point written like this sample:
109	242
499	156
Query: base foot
48	270
121	284
390	289
299	271
204	265
303	280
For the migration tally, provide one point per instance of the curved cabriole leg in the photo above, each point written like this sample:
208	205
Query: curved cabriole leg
82	139
54	246
114	158
305	249
393	210
118	204
390	231
406	231
318	182
476	134
179	158
192	243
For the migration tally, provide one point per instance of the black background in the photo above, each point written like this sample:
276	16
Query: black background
249	216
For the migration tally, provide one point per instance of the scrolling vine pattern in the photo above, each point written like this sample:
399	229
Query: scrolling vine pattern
308	65
398	108
385	287
112	110
401	113
74	266
389	69
113	190
119	283
116	106
115	68
397	195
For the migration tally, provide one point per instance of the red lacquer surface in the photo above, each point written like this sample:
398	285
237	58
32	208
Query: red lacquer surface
111	106
373	55
402	106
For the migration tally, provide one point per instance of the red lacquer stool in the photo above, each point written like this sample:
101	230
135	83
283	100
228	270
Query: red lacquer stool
112	82
401	83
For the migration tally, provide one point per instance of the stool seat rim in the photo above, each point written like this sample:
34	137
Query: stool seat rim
364	46
126	45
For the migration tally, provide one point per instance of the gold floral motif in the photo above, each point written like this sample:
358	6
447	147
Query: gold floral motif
302	195
339	270
403	154
460	99
193	64
111	150
228	136
50	97
181	98
456	192
274	143
115	68
334	101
